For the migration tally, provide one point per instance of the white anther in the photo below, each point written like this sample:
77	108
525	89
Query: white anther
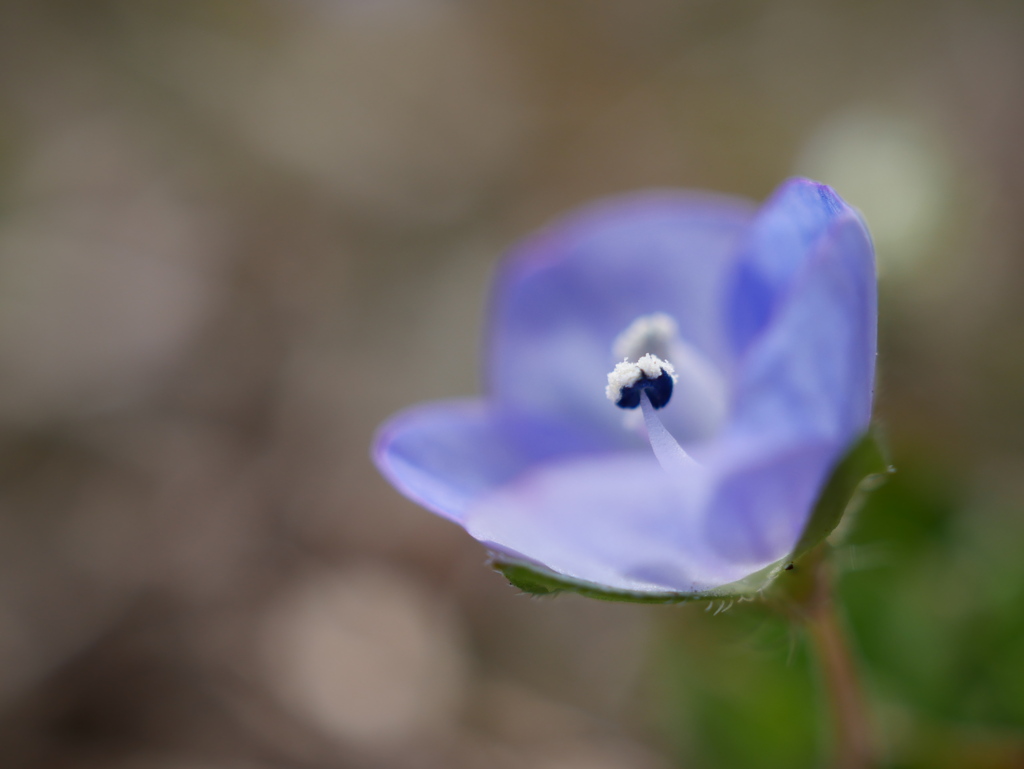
653	367
647	334
626	374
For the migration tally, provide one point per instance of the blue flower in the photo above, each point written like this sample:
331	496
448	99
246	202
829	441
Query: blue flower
672	378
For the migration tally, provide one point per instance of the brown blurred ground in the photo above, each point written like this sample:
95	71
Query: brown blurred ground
234	236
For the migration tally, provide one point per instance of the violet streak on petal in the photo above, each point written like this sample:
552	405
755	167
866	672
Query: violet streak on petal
768	319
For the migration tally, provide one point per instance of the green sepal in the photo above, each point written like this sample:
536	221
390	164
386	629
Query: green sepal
858	472
861	470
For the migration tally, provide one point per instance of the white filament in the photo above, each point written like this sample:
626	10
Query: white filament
669	453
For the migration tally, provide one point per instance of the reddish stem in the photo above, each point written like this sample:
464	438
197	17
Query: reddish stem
852	739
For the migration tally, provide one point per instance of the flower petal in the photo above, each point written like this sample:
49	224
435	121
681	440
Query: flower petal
445	455
781	239
617	520
564	296
810	376
763	499
803	396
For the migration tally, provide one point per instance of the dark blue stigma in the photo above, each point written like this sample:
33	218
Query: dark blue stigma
659	390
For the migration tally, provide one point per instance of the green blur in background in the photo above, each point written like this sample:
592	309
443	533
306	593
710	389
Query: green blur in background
235	236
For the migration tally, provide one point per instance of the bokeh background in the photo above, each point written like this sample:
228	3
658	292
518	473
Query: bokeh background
236	235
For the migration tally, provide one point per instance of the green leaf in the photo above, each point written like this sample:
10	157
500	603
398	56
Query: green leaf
859	471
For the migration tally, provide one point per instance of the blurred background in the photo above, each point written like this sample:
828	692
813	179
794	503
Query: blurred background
236	235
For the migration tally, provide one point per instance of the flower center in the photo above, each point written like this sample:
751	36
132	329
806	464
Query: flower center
648	384
656	364
644	347
628	380
656	360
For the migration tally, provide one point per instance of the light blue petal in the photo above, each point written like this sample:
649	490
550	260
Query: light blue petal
781	239
616	520
446	455
563	297
803	396
763	498
810	375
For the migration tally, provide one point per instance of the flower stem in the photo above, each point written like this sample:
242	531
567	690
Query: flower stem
852	740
